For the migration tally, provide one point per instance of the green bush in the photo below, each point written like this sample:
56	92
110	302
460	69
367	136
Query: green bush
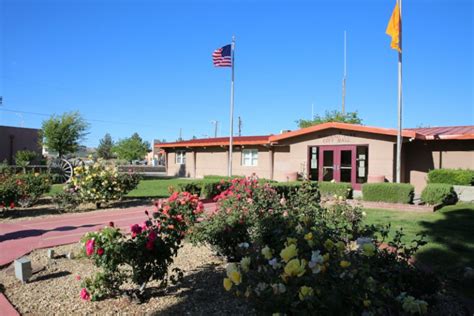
191	187
22	189
388	192
285	189
439	193
451	176
329	189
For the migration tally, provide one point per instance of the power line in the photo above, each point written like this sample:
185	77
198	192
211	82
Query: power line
89	120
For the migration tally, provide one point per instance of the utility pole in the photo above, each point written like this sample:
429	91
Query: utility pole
240	126
216	124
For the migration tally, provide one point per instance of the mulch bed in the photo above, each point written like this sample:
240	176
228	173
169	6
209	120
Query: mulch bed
55	288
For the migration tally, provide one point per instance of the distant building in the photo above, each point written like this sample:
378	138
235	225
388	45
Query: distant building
13	139
327	152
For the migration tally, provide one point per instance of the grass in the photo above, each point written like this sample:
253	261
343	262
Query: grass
449	232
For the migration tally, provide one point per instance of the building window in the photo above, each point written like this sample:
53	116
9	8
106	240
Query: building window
362	164
181	157
250	157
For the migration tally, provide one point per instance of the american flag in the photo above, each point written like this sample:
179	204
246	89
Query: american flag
222	57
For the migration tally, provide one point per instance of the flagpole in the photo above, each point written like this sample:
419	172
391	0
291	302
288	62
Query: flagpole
400	100
229	172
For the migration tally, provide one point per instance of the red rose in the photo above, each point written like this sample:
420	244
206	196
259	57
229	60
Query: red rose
100	251
12	205
149	245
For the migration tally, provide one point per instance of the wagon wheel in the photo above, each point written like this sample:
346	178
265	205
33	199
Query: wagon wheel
62	169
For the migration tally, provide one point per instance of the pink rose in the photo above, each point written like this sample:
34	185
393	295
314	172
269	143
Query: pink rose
135	229
179	218
85	295
90	247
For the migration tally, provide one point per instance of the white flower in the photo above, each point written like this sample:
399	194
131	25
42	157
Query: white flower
316	261
245	264
278	288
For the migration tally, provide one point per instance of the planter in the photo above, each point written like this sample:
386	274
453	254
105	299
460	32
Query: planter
375	179
465	193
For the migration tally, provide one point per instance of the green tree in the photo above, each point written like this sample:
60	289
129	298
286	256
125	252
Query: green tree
331	116
62	134
24	157
132	148
106	146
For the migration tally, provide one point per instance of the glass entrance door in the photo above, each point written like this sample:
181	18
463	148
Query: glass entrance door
337	163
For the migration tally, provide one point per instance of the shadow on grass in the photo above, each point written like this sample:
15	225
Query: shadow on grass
451	249
202	293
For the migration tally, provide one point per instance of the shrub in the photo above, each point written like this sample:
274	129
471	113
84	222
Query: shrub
68	200
329	189
32	186
24	157
439	193
388	192
23	189
100	183
234	220
210	189
143	256
451	176
286	188
191	187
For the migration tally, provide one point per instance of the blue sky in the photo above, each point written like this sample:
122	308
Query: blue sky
145	66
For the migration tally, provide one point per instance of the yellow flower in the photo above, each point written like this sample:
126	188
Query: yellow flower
227	284
305	291
236	277
245	263
291	241
367	303
328	244
295	267
308	236
368	249
289	252
267	253
344	264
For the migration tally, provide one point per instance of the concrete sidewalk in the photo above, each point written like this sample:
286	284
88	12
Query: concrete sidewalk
20	238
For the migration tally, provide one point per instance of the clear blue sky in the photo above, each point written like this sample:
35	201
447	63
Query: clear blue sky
146	65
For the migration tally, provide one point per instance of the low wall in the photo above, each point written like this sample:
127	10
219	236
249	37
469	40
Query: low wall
465	193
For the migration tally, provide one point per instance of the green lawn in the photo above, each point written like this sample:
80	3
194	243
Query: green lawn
155	188
449	232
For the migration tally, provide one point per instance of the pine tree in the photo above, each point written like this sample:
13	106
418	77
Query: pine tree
105	149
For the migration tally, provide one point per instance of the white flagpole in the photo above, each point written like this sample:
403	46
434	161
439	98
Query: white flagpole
231	110
400	100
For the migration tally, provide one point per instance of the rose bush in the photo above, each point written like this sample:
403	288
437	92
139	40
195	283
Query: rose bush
323	260
97	183
22	189
145	254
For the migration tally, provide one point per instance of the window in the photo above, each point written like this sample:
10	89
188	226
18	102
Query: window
181	157
249	157
362	163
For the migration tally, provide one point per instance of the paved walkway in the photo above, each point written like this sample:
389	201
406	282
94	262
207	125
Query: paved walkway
20	238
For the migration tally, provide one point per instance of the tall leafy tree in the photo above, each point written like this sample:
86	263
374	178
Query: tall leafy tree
132	148
105	148
331	116
64	133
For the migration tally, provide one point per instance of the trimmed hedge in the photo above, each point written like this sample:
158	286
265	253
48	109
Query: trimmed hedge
329	189
451	176
191	187
285	188
439	193
388	192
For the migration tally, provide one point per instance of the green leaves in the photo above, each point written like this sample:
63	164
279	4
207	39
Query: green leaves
62	134
334	116
132	148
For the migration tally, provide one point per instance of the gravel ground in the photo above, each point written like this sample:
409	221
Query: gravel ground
55	288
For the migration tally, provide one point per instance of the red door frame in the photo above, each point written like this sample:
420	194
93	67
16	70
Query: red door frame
336	149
